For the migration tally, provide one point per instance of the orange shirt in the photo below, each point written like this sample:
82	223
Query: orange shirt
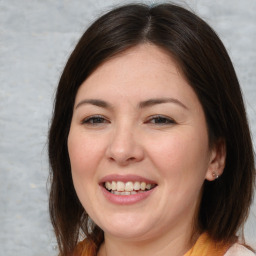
204	246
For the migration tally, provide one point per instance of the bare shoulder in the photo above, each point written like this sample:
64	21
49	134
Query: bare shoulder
239	250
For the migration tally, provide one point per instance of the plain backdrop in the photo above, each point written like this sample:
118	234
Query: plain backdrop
36	38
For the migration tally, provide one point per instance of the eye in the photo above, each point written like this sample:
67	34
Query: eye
160	120
95	120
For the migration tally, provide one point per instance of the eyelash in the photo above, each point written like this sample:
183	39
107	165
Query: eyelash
162	120
156	120
90	120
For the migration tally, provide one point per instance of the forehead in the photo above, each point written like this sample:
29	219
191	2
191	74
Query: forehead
146	56
144	71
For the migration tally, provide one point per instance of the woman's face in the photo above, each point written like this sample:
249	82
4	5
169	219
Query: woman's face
139	129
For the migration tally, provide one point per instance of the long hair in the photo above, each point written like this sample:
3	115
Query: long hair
208	69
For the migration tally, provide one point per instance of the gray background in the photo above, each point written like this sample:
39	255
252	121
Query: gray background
36	38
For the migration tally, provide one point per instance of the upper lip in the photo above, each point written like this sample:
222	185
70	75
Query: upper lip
126	178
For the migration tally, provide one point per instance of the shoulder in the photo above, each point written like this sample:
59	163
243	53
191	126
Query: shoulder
239	250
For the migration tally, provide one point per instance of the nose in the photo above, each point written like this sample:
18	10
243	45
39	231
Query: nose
124	146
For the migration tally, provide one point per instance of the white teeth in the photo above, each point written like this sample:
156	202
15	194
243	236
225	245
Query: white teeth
128	187
148	186
143	185
108	185
136	185
125	193
120	186
113	185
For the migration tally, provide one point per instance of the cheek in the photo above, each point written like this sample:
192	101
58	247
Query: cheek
84	153
84	159
182	162
181	157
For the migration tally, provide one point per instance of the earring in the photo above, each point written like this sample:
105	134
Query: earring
215	175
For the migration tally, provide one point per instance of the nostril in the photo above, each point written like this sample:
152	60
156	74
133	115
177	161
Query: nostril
124	150
131	159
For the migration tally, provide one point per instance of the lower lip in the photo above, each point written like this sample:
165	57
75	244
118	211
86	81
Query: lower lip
126	199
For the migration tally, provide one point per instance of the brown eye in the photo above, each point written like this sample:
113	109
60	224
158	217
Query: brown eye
94	120
161	120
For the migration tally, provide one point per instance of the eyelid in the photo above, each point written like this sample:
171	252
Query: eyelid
169	119
88	118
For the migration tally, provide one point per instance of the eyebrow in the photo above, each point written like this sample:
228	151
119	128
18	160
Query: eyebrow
151	102
95	102
143	104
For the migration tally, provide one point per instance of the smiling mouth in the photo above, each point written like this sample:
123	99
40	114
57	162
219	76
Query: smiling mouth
127	188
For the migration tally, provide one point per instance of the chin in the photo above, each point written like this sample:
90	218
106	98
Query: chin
126	227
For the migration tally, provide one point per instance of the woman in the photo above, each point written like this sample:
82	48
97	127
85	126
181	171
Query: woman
149	145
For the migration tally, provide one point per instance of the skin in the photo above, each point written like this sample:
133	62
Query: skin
173	151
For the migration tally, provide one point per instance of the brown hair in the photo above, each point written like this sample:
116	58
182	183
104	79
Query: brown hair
207	67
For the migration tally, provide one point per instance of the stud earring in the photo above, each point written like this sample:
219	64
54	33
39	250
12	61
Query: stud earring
215	175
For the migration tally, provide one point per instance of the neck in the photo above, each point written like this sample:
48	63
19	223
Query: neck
168	244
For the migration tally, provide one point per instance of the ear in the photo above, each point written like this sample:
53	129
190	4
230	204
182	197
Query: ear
217	160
